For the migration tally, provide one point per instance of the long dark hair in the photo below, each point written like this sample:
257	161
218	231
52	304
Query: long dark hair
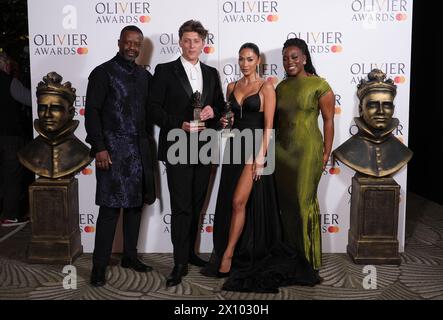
252	46
301	44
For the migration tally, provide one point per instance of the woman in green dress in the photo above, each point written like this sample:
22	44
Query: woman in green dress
301	151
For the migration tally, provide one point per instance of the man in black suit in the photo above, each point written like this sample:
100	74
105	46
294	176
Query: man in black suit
172	90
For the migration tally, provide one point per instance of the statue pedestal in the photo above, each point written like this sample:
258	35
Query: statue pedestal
55	221
372	237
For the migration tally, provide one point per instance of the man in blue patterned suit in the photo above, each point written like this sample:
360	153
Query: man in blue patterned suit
115	121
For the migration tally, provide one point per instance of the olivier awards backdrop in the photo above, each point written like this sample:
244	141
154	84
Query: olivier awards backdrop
347	39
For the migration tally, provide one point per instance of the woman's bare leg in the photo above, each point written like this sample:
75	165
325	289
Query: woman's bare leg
239	201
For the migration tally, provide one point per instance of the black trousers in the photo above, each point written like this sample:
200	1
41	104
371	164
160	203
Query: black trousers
13	191
188	186
104	236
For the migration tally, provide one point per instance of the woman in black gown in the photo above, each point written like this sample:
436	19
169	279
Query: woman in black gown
247	230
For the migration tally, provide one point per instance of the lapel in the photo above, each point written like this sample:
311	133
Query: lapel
181	75
206	78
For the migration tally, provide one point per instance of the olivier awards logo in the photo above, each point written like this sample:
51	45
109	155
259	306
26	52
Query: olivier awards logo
167	223
329	223
269	71
87	222
394	70
209	47
206	223
169	44
398	132
338	106
79	104
62	44
332	167
249	11
372	12
87	171
320	42
122	12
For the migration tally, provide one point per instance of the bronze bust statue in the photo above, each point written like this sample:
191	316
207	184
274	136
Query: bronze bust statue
56	152
374	150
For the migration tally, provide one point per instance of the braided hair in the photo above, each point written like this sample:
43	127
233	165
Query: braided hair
301	44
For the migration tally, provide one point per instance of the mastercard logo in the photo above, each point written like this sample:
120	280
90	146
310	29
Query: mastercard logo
272	17
337	110
273	80
336	48
89	229
334	170
145	19
87	171
333	229
209	229
399	79
82	50
401	16
208	50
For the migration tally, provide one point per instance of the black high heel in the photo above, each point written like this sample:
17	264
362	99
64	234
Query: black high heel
224	274
317	275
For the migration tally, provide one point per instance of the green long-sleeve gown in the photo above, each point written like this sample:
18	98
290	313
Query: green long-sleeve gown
299	153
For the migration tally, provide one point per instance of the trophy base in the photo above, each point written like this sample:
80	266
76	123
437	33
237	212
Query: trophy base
55	228
197	123
227	133
372	236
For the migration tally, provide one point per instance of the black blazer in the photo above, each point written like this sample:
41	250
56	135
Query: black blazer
170	99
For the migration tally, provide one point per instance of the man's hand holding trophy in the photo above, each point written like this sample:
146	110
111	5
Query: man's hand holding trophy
200	114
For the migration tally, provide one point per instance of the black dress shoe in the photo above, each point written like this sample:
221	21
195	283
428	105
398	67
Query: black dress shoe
179	271
222	274
197	261
135	264
98	276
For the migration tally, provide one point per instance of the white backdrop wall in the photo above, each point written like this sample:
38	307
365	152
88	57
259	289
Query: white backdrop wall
347	38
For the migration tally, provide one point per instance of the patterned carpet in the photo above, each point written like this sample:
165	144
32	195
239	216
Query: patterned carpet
420	275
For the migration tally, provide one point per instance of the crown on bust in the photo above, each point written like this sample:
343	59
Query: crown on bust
376	82
52	84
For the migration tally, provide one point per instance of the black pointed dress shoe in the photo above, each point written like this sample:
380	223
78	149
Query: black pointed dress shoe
98	276
197	261
179	271
135	264
222	274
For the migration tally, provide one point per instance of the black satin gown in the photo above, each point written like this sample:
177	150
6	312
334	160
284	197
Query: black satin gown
261	261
